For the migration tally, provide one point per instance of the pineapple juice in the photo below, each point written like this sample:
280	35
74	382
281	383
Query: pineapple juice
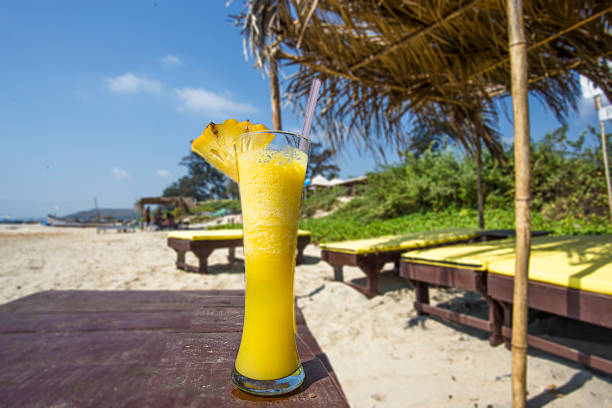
271	185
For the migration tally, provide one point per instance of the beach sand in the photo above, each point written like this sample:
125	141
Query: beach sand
383	354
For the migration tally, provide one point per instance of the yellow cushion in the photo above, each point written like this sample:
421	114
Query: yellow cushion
470	256
579	262
206	235
401	242
211	235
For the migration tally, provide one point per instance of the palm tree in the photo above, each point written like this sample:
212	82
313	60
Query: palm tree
260	24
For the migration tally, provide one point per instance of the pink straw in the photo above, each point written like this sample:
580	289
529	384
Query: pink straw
310	110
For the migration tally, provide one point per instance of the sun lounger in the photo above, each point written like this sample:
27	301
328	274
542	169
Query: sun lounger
461	267
370	255
202	243
568	276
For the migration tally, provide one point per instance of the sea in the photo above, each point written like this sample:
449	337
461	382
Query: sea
24	220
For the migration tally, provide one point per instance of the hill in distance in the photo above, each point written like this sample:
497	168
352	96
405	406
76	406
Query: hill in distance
116	213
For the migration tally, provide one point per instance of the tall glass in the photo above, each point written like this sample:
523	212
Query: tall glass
271	170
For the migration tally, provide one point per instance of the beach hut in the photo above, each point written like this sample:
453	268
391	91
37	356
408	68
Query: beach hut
186	203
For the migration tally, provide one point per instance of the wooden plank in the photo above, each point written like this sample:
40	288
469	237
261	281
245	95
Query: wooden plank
122	347
308	339
206	320
140	357
464	279
339	258
193	384
188	245
122	301
454	316
581	305
203	248
51	367
569	353
505	233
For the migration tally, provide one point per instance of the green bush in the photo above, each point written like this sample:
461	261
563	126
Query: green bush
342	227
324	200
567	179
202	218
225	226
433	181
438	190
214	205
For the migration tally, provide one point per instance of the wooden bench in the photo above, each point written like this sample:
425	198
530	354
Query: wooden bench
140	349
568	276
370	255
461	267
203	243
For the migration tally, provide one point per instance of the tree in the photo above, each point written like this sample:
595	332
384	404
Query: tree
321	161
203	182
470	127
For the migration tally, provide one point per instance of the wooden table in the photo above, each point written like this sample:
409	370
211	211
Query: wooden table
139	348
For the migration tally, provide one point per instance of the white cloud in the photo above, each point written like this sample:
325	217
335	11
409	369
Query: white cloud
164	173
131	83
201	100
586	108
120	174
171	60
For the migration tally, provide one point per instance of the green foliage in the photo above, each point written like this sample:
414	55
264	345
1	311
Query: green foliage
324	199
178	212
567	179
202	181
438	190
202	218
432	181
321	161
214	205
343	227
225	226
204	209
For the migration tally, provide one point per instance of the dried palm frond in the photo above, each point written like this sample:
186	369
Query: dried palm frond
386	64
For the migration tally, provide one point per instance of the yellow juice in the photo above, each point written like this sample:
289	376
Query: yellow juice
270	191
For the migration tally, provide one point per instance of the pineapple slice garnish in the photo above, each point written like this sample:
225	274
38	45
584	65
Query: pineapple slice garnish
216	144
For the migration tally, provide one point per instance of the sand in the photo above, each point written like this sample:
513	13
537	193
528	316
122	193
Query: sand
383	354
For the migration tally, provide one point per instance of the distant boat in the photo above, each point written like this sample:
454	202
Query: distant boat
54	221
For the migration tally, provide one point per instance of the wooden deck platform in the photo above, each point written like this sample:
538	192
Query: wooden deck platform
139	348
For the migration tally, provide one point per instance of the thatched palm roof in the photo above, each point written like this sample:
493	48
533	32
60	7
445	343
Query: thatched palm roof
178	201
379	60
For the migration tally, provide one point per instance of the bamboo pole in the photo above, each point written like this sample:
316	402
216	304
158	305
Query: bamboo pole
520	105
481	223
274	92
604	150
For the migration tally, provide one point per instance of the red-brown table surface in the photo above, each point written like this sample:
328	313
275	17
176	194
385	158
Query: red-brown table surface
139	349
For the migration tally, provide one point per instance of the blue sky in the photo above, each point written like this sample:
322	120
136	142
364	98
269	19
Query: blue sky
100	99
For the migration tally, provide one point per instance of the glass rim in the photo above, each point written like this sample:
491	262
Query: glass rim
282	132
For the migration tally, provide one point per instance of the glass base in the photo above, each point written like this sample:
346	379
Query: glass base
269	387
